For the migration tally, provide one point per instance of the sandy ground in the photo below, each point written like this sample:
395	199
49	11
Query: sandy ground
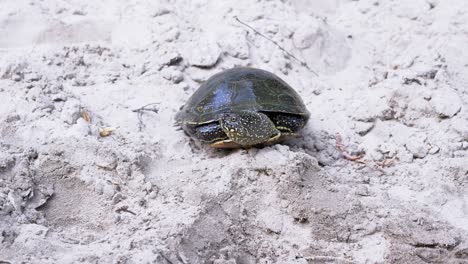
392	81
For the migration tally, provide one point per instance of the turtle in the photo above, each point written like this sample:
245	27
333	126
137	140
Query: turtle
243	107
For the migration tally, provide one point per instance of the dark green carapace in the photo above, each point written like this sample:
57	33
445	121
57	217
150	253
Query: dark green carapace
243	107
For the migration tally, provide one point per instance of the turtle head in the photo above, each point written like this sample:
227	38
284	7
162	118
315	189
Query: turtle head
248	128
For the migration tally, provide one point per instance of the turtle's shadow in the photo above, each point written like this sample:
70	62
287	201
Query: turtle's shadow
305	141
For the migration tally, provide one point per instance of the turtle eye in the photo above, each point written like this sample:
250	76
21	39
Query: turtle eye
232	119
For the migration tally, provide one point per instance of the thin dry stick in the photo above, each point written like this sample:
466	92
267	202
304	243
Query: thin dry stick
386	162
140	112
303	63
344	152
125	209
358	159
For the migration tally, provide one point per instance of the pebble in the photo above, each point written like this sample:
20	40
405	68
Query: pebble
465	145
17	77
173	75
203	53
433	150
362	128
388	149
417	146
446	103
405	156
161	11
362	190
33	77
71	111
117	198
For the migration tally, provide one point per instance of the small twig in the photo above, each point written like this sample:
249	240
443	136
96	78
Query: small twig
303	63
344	152
376	164
385	163
124	209
140	112
144	108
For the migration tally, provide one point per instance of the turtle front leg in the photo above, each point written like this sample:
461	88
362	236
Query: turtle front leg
208	133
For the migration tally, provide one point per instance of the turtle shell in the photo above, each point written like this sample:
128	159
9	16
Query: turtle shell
241	88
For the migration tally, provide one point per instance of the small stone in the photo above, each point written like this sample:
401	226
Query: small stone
272	29
171	35
108	163
171	74
108	191
169	59
79	83
71	111
417	146
430	255
153	194
17	77
271	221
40	197
197	74
446	103
373	107
362	128
79	13
405	156
148	187
362	191
184	86
388	149
48	108
235	45
177	76
464	145
206	55
33	77
117	198
59	97
166	73
433	150
161	11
